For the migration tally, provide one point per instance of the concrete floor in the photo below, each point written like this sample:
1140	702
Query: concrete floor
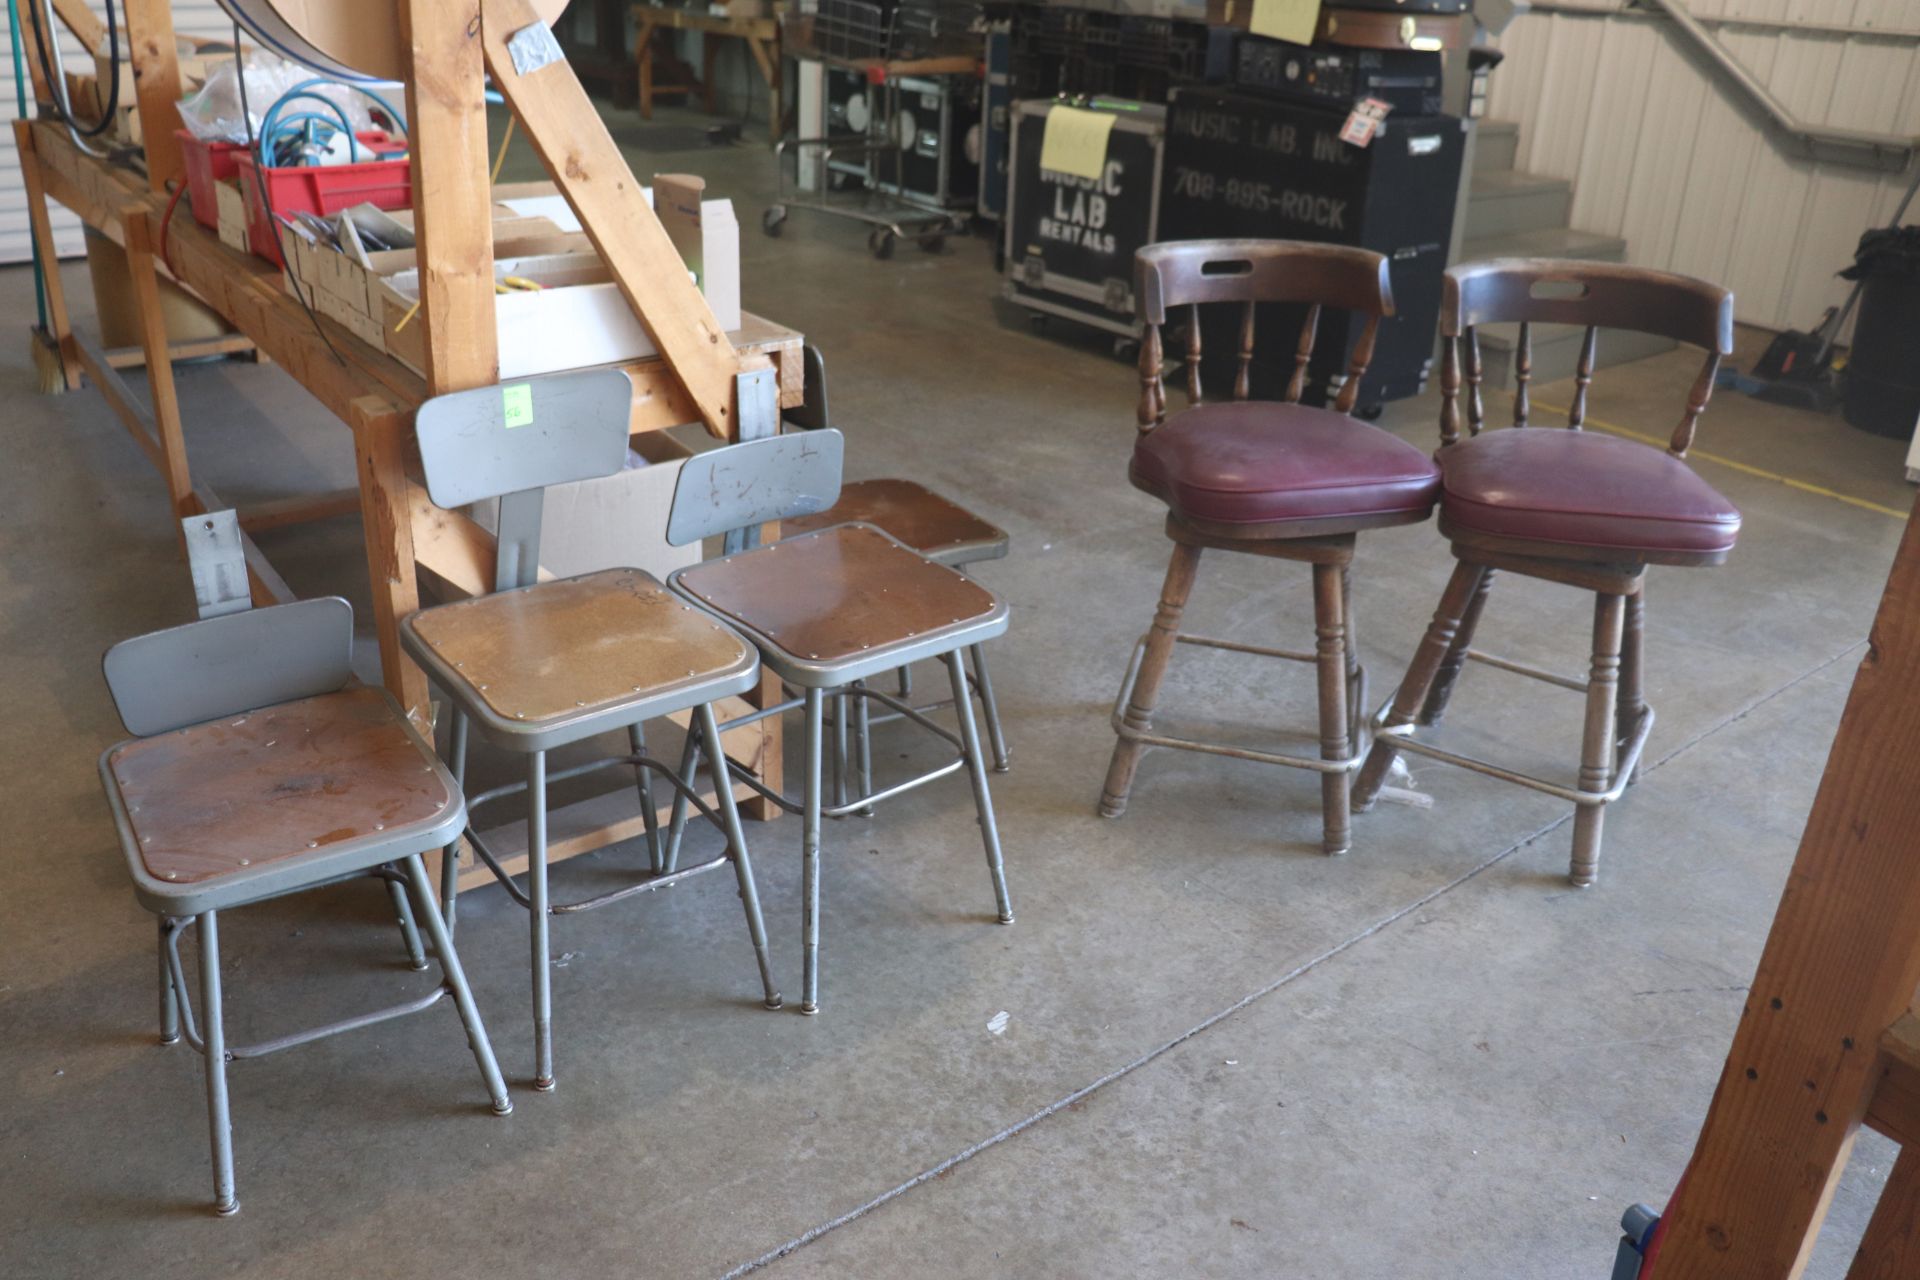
1223	1054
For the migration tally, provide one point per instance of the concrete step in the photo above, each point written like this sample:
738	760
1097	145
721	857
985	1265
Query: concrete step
1496	145
1505	200
1557	242
1556	355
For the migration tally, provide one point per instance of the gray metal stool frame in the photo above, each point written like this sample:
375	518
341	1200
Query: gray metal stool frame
185	806
906	608
643	653
813	415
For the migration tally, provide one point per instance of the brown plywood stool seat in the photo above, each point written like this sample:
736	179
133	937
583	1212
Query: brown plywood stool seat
548	661
937	527
285	782
1565	506
845	593
259	769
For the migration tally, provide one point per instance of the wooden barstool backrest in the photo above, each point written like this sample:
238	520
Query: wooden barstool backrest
1593	295
1190	273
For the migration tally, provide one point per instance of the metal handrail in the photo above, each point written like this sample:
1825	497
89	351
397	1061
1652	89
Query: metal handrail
1890	151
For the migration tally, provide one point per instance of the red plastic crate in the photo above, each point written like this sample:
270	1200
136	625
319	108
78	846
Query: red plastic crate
208	163
322	189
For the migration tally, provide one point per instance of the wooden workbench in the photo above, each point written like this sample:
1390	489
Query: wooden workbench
369	391
761	35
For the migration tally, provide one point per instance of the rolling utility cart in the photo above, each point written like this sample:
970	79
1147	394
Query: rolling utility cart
1069	242
886	144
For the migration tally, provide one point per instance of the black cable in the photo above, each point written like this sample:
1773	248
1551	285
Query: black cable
113	90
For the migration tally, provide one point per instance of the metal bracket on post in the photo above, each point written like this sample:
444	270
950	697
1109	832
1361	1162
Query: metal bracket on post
756	395
218	564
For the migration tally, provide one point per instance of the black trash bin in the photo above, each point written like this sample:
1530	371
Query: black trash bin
1883	367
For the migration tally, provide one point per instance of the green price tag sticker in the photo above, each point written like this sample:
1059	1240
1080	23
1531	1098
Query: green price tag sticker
517	400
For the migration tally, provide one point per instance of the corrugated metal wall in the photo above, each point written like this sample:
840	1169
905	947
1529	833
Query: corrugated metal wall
202	18
1663	151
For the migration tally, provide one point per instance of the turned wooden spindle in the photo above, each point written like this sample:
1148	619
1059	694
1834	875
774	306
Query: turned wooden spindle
1449	391
1696	405
1243	377
1583	378
1153	393
1522	375
1476	405
1193	354
1357	365
1297	385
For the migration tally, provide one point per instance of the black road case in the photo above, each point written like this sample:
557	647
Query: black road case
1070	241
1239	165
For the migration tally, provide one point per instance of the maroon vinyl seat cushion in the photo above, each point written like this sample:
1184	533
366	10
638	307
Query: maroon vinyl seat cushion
1258	461
1581	488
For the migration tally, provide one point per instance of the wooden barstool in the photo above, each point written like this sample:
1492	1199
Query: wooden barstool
1280	479
1587	510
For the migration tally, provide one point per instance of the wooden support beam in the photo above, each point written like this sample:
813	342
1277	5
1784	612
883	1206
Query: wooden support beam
60	330
86	28
301	508
1891	1248
153	341
156	79
194	349
379	446
1840	967
587	167
447	139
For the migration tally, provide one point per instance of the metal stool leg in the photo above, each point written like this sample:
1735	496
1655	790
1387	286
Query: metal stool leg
1633	701
906	682
810	858
456	980
169	1001
677	823
1153	669
737	840
863	748
450	856
840	757
1330	661
537	920
409	932
1597	743
990	707
1412	694
982	798
219	1122
649	816
1449	673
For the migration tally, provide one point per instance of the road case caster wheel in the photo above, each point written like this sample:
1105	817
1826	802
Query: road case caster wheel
770	220
1126	350
880	243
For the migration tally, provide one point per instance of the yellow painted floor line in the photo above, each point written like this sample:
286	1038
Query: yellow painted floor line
1761	473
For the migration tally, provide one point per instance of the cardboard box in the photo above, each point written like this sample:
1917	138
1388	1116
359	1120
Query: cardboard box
615	522
233	215
578	318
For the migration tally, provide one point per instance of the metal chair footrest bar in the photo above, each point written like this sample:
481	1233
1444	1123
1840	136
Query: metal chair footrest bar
1629	760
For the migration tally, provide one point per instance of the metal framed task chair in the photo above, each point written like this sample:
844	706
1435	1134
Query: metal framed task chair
1269	478
1576	507
936	526
537	665
259	769
830	610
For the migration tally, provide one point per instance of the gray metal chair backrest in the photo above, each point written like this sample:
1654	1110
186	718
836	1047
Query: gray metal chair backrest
225	665
513	440
524	435
745	485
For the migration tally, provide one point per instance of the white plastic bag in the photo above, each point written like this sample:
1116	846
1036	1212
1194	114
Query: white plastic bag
214	114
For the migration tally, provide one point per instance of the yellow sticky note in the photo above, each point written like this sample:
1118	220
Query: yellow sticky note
1076	141
517	403
1292	20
